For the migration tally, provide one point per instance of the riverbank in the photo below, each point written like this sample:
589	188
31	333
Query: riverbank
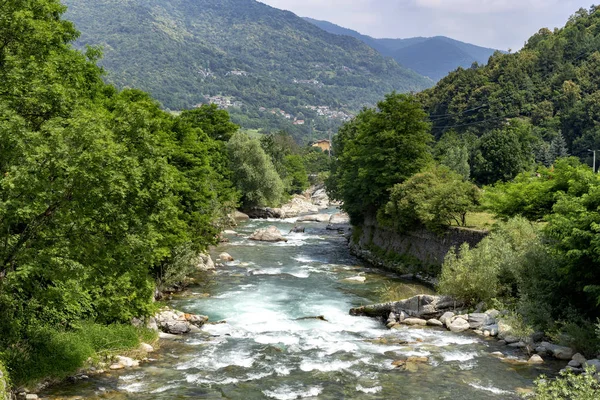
274	345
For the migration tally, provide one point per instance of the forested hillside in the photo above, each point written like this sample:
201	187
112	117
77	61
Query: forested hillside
549	89
265	65
433	57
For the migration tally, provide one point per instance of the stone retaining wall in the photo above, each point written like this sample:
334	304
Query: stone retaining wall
380	246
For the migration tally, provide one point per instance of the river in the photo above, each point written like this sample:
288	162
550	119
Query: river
267	350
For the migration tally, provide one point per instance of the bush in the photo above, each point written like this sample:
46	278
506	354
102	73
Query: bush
47	354
496	268
435	198
568	387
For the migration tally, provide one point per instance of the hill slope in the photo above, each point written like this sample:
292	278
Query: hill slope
551	86
433	57
249	54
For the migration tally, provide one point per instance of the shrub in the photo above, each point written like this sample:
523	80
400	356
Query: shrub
568	387
47	353
495	268
435	198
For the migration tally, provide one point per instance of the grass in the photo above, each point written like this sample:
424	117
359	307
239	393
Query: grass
55	355
479	220
253	133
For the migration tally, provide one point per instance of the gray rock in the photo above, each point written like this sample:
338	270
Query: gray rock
298	205
415	321
459	325
579	358
339	218
593	363
536	359
421	306
491	329
446	316
574	364
518	345
503	329
479	320
205	262
541	350
225	257
178	323
559	352
31	396
511	339
298	229
270	234
493	313
502	342
240	216
434	322
314	218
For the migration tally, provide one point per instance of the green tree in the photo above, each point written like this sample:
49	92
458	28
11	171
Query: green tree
503	154
378	149
253	172
434	198
296	178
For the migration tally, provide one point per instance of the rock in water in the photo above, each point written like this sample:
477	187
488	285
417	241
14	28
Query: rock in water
421	306
226	257
535	359
205	262
459	325
298	229
178	323
270	234
315	218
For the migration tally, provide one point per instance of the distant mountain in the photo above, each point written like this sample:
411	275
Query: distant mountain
433	57
266	65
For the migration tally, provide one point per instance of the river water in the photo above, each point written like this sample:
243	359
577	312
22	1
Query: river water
268	350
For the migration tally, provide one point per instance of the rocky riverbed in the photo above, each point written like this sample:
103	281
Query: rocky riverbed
285	333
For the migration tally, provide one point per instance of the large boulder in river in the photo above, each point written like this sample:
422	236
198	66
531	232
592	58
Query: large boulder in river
421	306
204	262
270	234
298	205
339	221
320	198
177	323
264	212
314	218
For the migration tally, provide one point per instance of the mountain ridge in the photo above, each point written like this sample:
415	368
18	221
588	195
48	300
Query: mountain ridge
261	63
433	57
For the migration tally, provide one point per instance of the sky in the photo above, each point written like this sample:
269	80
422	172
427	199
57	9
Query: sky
500	24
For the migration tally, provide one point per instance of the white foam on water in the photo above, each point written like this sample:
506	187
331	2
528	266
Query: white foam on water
415	353
304	259
282	370
163	389
270	271
308	366
199	379
490	389
215	360
372	390
291	393
136	387
300	274
276	339
458	356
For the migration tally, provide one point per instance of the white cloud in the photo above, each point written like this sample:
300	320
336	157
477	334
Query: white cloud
500	24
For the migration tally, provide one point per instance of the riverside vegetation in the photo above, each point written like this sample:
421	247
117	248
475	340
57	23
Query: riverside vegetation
106	197
509	128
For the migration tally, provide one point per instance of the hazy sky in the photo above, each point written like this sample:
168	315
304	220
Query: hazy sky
501	24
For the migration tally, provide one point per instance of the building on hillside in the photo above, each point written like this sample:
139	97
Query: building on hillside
324	144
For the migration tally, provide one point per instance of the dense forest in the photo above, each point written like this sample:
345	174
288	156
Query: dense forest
537	101
238	50
497	140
